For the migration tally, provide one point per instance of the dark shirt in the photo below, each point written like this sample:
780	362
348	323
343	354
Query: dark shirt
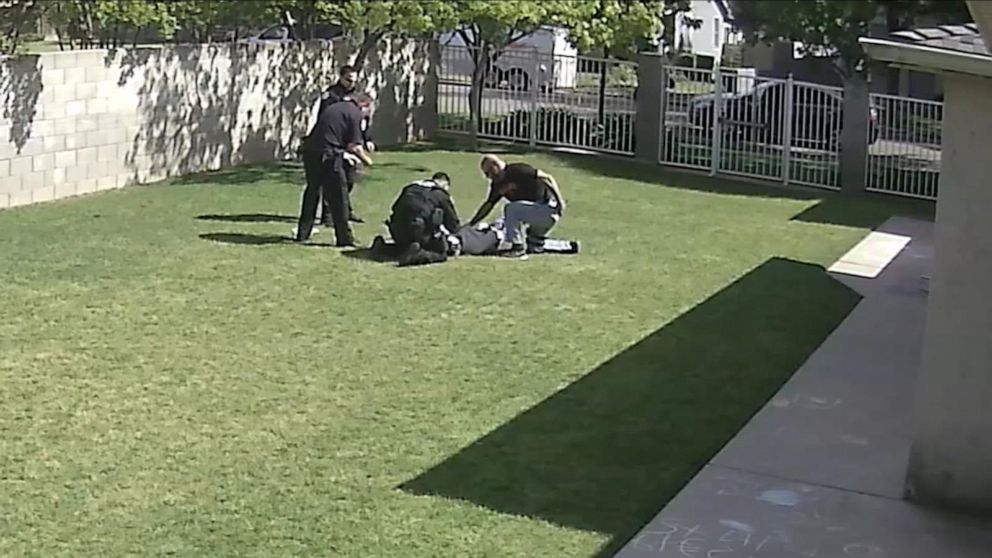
338	126
336	93
518	182
421	199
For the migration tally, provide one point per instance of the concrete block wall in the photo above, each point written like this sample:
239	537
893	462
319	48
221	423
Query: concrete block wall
83	121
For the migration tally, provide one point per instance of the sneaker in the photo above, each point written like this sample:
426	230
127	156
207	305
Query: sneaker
515	252
355	218
296	231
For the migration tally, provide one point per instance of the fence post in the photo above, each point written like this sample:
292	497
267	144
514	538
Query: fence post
854	136
535	89
647	121
717	116
663	118
789	102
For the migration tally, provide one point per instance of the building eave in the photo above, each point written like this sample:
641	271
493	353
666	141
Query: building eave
928	59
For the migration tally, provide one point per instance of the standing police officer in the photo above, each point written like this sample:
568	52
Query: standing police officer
338	131
345	86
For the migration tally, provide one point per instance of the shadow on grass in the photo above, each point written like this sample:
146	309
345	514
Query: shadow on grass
866	211
249	218
607	452
364	254
244	175
248	239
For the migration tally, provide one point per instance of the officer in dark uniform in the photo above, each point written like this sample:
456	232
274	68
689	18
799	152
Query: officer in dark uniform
337	131
346	85
418	215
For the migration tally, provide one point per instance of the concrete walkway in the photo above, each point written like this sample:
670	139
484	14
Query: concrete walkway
818	473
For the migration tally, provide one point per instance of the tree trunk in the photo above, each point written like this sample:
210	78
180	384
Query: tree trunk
475	91
370	41
603	72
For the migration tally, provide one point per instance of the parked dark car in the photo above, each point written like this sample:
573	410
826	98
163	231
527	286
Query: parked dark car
758	115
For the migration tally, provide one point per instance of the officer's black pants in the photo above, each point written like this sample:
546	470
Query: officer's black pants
433	244
327	178
351	171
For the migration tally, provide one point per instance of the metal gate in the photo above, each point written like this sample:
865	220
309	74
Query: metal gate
730	122
541	98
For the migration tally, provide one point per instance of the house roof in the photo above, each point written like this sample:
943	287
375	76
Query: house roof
962	38
725	12
947	48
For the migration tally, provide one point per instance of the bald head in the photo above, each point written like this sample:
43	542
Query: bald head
491	166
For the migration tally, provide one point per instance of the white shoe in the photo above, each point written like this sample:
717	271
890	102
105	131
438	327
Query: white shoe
314	230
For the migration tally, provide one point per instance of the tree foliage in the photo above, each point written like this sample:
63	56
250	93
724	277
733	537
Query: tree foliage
833	27
17	19
617	27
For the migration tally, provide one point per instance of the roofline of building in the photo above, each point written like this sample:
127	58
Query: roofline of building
926	58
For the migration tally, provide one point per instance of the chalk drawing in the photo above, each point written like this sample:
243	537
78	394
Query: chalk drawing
780	497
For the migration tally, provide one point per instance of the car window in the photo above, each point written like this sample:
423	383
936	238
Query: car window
276	33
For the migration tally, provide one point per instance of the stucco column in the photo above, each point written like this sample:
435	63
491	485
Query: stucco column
650	94
951	460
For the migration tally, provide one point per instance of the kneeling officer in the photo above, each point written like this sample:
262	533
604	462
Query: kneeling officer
422	217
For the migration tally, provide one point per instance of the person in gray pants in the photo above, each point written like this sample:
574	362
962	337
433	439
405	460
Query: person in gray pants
533	200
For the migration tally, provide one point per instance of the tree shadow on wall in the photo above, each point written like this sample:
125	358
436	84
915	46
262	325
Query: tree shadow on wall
205	107
607	452
21	84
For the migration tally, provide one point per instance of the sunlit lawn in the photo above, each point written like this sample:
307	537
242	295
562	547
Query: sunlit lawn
175	379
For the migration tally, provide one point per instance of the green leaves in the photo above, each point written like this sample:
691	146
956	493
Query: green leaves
615	25
834	26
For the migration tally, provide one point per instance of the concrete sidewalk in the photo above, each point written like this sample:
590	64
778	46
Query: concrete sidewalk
818	473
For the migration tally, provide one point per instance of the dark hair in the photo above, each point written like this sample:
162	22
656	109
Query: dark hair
346	70
441	177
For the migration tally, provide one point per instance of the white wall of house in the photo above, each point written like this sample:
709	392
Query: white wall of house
952	451
714	30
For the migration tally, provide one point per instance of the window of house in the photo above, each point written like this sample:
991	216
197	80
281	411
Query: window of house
716	32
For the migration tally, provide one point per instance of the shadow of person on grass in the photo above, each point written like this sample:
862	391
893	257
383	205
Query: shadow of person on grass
246	239
259	240
249	218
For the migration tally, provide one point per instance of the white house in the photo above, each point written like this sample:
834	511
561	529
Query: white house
706	28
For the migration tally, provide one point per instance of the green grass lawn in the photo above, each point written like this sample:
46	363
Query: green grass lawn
176	380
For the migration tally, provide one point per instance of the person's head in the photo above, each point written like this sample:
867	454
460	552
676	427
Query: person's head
491	166
441	179
348	77
363	100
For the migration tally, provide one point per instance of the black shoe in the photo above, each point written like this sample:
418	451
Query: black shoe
410	255
355	218
517	251
378	245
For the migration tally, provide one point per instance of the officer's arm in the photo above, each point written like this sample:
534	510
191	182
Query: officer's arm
355	143
450	220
